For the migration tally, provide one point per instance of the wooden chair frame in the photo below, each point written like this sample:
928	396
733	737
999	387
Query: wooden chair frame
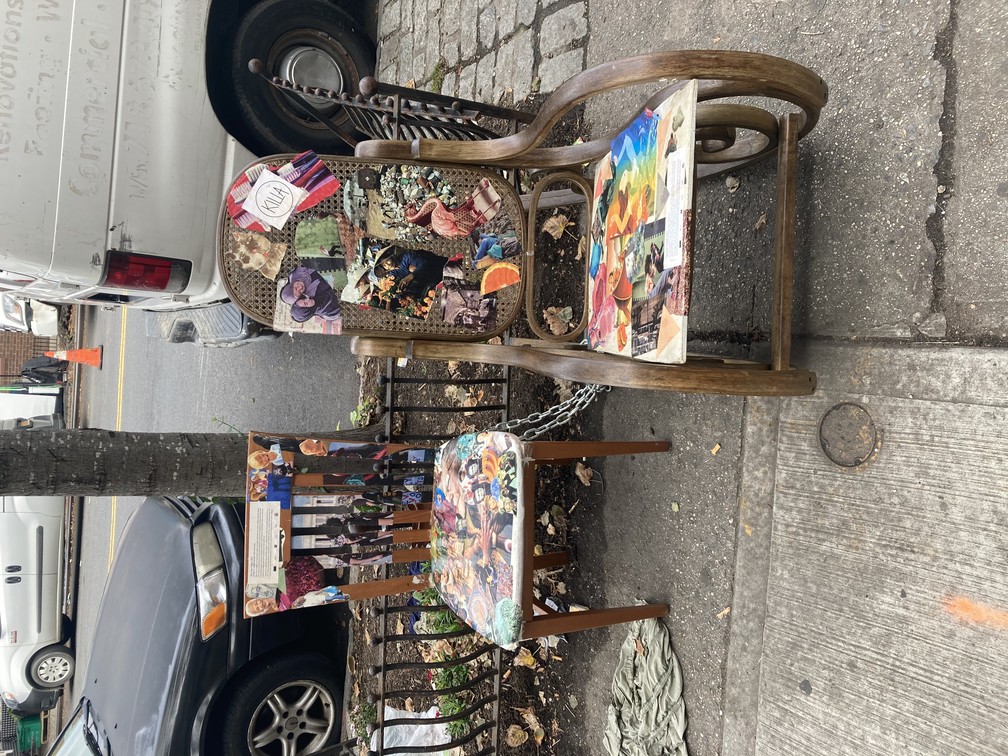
721	74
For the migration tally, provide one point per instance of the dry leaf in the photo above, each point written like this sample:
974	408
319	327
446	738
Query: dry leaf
641	651
538	550
400	627
715	449
583	473
760	222
675	506
515	736
453	367
408	704
455	393
545	519
732	184
542	698
724	612
582	248
561	588
572	701
529	715
716	40
558	319
524	658
564	389
411	83
550	530
556	225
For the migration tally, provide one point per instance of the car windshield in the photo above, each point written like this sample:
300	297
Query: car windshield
81	736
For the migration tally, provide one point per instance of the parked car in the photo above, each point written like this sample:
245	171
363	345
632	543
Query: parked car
133	118
174	667
24	316
34	660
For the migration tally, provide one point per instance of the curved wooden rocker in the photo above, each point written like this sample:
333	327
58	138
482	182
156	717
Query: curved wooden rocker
729	135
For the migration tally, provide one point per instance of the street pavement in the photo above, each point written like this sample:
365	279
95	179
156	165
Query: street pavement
285	385
815	608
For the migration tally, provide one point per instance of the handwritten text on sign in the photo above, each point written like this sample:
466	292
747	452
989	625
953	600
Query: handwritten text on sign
273	199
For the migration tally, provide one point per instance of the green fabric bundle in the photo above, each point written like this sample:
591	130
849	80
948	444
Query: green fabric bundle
647	716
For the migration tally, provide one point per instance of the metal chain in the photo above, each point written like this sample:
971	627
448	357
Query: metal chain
555	416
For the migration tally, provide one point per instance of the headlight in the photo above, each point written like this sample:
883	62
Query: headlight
211	583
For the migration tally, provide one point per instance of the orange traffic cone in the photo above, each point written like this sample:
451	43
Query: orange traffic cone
91	356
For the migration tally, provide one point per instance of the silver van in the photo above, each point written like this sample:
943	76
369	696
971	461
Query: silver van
122	123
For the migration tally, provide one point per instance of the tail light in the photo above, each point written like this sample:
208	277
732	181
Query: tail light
125	270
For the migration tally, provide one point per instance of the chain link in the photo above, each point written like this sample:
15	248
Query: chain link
554	417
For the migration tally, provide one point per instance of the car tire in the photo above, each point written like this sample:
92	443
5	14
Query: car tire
265	711
288	35
51	667
66	629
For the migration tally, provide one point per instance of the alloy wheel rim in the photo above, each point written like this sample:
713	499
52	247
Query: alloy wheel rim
54	669
293	719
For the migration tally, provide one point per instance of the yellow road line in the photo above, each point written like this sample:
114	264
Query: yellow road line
118	426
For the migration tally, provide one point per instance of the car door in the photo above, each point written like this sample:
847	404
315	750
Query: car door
31	554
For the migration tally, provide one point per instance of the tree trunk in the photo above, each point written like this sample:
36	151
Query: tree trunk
108	463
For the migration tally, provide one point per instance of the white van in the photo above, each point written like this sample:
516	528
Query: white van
114	156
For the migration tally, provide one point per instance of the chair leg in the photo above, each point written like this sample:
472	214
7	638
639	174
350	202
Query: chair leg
569	622
784	233
389	587
568	451
553	559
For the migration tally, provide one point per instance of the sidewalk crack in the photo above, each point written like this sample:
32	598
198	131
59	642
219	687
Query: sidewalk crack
944	53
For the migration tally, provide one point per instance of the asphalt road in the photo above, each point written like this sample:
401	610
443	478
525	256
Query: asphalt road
146	384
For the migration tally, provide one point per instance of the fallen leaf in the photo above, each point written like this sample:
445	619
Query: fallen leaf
716	40
411	83
558	514
545	519
724	612
760	222
538	550
561	588
715	449
356	689
748	528
558	319
529	715
453	367
732	184
542	698
408	704
550	530
515	736
582	248
641	650
524	658
584	473
572	701
556	225
564	389
675	506
400	627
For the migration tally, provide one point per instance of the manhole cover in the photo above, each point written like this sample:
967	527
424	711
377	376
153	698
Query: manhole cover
848	435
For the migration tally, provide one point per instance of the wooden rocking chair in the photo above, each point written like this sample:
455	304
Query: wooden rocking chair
729	136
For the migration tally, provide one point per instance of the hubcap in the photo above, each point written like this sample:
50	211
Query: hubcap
312	67
53	669
295	718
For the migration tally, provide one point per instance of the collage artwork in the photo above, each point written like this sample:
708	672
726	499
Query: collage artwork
303	528
368	248
641	235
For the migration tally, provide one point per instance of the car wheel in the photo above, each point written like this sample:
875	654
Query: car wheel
309	42
289	706
51	667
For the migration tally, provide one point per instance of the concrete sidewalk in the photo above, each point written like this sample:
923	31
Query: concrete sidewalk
868	605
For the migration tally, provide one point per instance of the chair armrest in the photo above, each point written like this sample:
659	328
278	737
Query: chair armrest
721	74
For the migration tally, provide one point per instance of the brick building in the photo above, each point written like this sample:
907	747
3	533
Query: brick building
16	349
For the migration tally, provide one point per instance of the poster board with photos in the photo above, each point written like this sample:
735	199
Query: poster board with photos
298	519
373	246
642	234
